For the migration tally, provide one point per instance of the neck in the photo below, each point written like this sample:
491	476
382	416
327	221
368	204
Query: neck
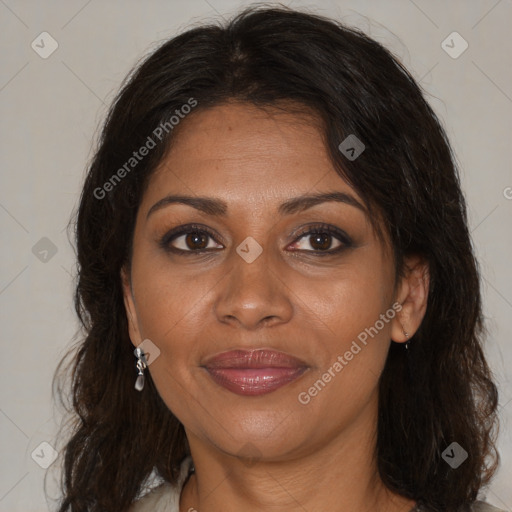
339	475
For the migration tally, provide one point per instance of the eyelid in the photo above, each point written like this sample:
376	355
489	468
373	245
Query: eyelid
322	228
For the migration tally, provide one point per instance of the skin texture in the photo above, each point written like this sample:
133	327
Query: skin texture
268	452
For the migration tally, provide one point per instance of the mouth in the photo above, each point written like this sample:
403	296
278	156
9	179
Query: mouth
254	372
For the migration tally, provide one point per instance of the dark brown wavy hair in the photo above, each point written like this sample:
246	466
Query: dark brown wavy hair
439	391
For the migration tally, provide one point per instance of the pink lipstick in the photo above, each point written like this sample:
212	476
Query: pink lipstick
254	372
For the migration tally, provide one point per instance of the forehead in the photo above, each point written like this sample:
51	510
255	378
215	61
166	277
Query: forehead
247	153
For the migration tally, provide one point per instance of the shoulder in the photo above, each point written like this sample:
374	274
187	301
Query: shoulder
477	506
481	506
165	497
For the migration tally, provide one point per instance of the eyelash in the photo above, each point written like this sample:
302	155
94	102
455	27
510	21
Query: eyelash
342	237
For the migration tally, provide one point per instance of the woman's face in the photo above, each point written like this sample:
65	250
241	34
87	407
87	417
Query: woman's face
261	282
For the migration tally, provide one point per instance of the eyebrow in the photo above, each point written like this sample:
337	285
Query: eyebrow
219	208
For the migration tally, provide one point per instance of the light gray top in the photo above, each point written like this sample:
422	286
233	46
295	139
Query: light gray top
166	497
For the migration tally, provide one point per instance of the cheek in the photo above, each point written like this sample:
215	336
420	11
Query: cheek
170	322
354	314
354	354
171	313
167	300
348	302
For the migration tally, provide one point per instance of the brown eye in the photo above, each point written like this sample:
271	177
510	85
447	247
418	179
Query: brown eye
196	240
321	241
317	242
324	239
189	239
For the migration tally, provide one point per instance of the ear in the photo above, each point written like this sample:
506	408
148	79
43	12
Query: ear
129	305
412	294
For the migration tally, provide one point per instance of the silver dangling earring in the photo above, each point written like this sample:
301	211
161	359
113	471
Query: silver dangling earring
141	365
407	342
406	335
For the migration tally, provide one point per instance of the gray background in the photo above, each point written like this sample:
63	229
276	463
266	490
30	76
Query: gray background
51	109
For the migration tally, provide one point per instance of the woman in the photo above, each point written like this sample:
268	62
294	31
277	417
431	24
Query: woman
278	288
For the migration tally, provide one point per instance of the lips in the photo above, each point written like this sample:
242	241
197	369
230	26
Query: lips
254	372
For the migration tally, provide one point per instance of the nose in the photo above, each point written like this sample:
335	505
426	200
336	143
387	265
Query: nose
253	295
